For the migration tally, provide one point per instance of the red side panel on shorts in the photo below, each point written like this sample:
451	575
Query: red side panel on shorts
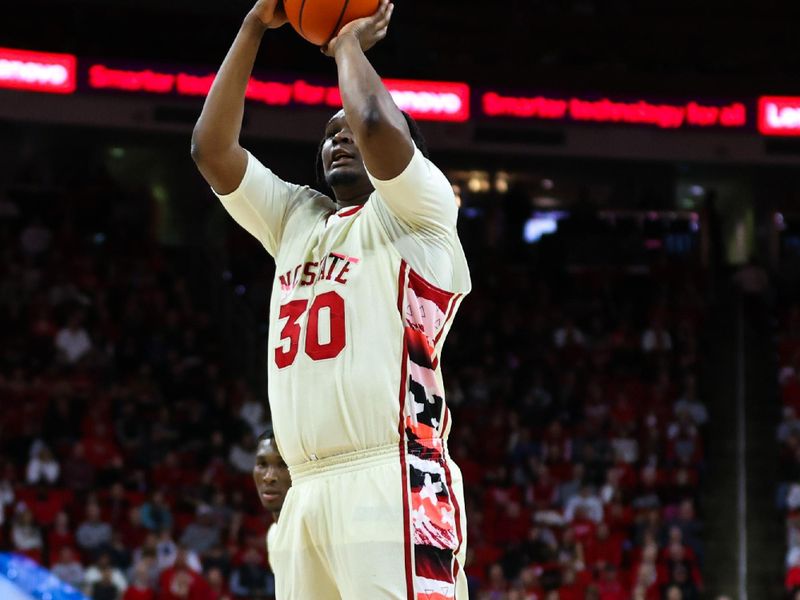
433	522
401	281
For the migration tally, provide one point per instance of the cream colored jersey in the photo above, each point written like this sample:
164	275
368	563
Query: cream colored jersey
361	304
270	542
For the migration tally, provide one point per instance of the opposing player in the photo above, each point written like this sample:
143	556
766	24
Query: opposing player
365	293
271	476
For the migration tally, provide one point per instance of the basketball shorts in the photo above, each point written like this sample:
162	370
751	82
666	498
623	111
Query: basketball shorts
378	524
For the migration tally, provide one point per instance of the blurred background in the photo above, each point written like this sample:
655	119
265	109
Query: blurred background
627	174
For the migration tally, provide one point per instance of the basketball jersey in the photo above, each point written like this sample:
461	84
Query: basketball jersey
361	304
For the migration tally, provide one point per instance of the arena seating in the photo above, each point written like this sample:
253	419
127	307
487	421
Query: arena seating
578	423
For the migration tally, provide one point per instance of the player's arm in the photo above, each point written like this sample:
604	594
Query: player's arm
378	125
215	141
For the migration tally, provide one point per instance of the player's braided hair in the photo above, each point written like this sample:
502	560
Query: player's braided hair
416	136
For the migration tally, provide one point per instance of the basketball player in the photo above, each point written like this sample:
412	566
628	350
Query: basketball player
271	476
365	291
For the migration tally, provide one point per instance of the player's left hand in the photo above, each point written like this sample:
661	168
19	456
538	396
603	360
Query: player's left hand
368	31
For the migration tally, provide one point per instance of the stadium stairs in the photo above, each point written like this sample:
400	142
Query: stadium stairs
720	499
765	527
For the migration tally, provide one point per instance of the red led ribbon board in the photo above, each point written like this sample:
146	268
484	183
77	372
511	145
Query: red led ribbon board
779	115
663	115
424	100
37	71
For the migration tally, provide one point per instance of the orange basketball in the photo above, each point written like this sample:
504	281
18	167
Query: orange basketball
320	20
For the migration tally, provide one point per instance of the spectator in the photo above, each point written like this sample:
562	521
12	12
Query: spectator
691	529
166	550
155	514
68	568
140	588
586	501
78	473
218	590
25	534
61	535
673	592
121	556
146	560
105	588
116	505
790	425
6	492
610	587
203	533
252	413
688	403
181	582
35	238
571	487
42	467
103	580
93	535
242	455
656	338
72	341
250	580
568	335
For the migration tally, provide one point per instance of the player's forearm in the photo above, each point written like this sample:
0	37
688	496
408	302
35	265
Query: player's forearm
220	123
367	103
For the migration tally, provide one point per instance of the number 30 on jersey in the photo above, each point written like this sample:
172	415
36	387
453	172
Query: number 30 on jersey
326	312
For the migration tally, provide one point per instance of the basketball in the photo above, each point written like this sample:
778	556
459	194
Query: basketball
319	21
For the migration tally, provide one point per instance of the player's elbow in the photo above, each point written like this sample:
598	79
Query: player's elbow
373	118
199	149
196	148
196	153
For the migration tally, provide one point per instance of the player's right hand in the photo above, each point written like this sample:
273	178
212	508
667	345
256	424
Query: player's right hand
270	13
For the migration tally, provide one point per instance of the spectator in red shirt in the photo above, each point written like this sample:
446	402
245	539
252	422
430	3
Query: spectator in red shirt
102	453
218	589
511	526
645	582
570	588
139	588
496	584
792	581
610	587
682	569
542	494
603	548
60	535
78	473
179	582
45	504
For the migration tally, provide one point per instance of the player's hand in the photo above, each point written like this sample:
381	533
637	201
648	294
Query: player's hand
368	31
270	12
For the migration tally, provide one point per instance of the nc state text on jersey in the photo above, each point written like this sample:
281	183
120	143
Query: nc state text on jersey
333	267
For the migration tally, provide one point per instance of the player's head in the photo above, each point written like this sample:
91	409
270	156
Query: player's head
270	473
339	161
